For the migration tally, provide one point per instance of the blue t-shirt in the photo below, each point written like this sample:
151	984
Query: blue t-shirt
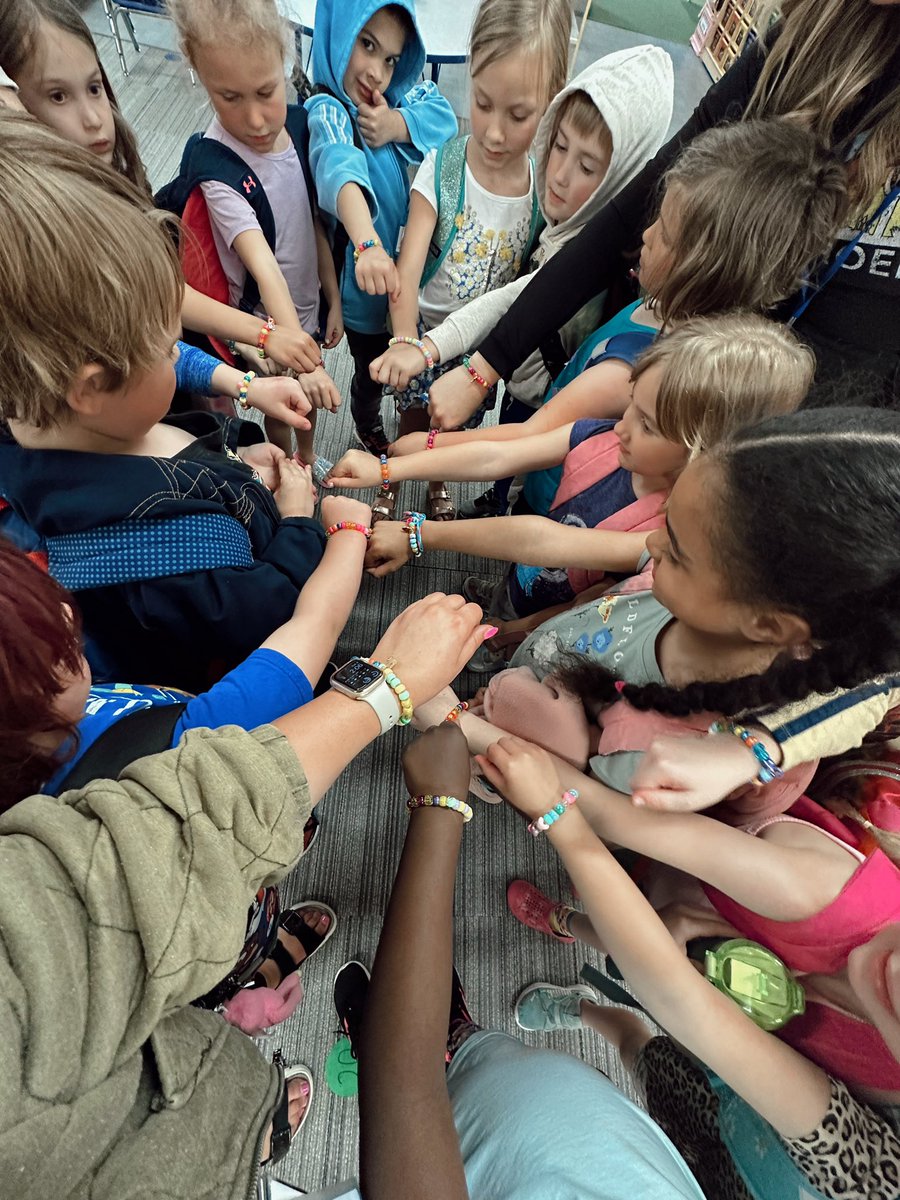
534	588
262	688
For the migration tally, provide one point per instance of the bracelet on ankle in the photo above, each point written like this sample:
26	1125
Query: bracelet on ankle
243	389
451	802
363	529
264	336
473	374
432	435
412	527
768	768
397	687
542	824
419	345
362	247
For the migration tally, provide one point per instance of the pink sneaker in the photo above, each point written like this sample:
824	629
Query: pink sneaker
533	908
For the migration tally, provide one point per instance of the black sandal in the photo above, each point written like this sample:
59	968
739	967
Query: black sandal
291	921
282	1134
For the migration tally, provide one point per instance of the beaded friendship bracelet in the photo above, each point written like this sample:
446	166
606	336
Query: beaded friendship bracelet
363	529
542	824
768	768
473	374
451	802
395	684
457	711
264	336
385	473
432	435
412	527
243	390
419	345
361	247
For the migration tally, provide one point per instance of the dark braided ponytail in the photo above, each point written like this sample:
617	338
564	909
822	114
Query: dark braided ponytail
809	523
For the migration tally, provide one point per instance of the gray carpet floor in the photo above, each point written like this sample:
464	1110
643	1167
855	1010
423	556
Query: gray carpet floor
363	816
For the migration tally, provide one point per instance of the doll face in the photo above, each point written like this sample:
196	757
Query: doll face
374	57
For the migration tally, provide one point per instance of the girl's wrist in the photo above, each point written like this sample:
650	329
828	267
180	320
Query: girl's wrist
484	368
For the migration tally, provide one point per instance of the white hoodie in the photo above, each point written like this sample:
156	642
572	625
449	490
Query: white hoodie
633	89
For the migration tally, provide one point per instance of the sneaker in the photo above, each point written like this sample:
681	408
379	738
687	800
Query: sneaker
374	439
533	908
487	504
484	662
350	987
544	1007
479	591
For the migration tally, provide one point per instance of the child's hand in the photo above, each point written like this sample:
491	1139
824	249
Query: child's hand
437	763
453	398
261	366
355	469
289	348
295	494
334	326
281	398
523	773
687	774
377	275
410	443
345	508
319	389
389	549
379	123
397	366
263	459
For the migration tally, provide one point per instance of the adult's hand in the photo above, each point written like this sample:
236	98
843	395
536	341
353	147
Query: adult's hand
437	763
430	642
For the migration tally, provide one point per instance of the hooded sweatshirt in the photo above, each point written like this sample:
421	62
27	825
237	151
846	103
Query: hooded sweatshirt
633	89
381	173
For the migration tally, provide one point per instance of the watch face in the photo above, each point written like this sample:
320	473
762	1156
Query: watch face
356	675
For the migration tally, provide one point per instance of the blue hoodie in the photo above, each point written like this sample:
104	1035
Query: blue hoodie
382	173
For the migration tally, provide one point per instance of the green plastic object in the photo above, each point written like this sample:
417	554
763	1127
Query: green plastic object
757	980
341	1069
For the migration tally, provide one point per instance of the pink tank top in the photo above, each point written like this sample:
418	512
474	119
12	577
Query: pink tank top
844	1046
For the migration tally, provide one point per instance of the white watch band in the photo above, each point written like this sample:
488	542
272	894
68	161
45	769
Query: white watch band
384	702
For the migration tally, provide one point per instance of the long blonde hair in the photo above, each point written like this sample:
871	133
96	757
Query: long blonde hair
538	27
819	68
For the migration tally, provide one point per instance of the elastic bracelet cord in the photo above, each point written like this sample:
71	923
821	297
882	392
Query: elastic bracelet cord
419	345
362	247
473	374
412	527
363	529
264	337
542	824
451	802
399	690
768	768
244	388
432	436
457	711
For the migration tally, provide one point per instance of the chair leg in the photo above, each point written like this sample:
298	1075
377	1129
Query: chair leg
114	29
127	15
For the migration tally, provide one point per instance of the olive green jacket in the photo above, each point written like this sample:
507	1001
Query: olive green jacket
119	904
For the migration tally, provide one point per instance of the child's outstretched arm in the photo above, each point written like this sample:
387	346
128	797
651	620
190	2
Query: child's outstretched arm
784	1088
288	347
376	271
328	280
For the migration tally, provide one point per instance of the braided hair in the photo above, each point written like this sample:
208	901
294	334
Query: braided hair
809	524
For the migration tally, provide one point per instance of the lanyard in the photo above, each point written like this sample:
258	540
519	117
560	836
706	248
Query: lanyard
809	294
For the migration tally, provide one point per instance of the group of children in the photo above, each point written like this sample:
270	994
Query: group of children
691	545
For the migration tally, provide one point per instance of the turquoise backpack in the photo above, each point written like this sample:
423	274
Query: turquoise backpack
450	180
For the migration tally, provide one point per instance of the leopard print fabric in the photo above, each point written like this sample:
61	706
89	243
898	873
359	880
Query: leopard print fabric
854	1154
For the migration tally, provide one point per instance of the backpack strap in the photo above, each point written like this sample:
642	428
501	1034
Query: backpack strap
449	180
146	731
297	125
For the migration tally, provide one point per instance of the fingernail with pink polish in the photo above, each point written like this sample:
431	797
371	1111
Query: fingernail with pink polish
491	631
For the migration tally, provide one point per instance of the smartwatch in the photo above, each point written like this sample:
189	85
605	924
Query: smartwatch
361	680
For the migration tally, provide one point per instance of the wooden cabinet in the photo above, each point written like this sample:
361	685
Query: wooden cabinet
723	29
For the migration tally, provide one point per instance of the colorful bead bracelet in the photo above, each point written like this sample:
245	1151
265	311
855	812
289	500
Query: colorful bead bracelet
243	390
473	374
542	824
264	336
432	435
395	684
768	768
451	802
457	711
361	247
419	345
363	529
385	473
412	527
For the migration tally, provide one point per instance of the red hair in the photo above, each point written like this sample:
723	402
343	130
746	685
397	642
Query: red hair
40	643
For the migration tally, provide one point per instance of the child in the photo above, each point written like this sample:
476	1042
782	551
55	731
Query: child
474	212
47	48
697	384
717	222
371	120
179	554
238	49
591	141
756	1121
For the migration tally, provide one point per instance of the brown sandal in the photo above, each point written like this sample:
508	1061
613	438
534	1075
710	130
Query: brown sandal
438	505
385	503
